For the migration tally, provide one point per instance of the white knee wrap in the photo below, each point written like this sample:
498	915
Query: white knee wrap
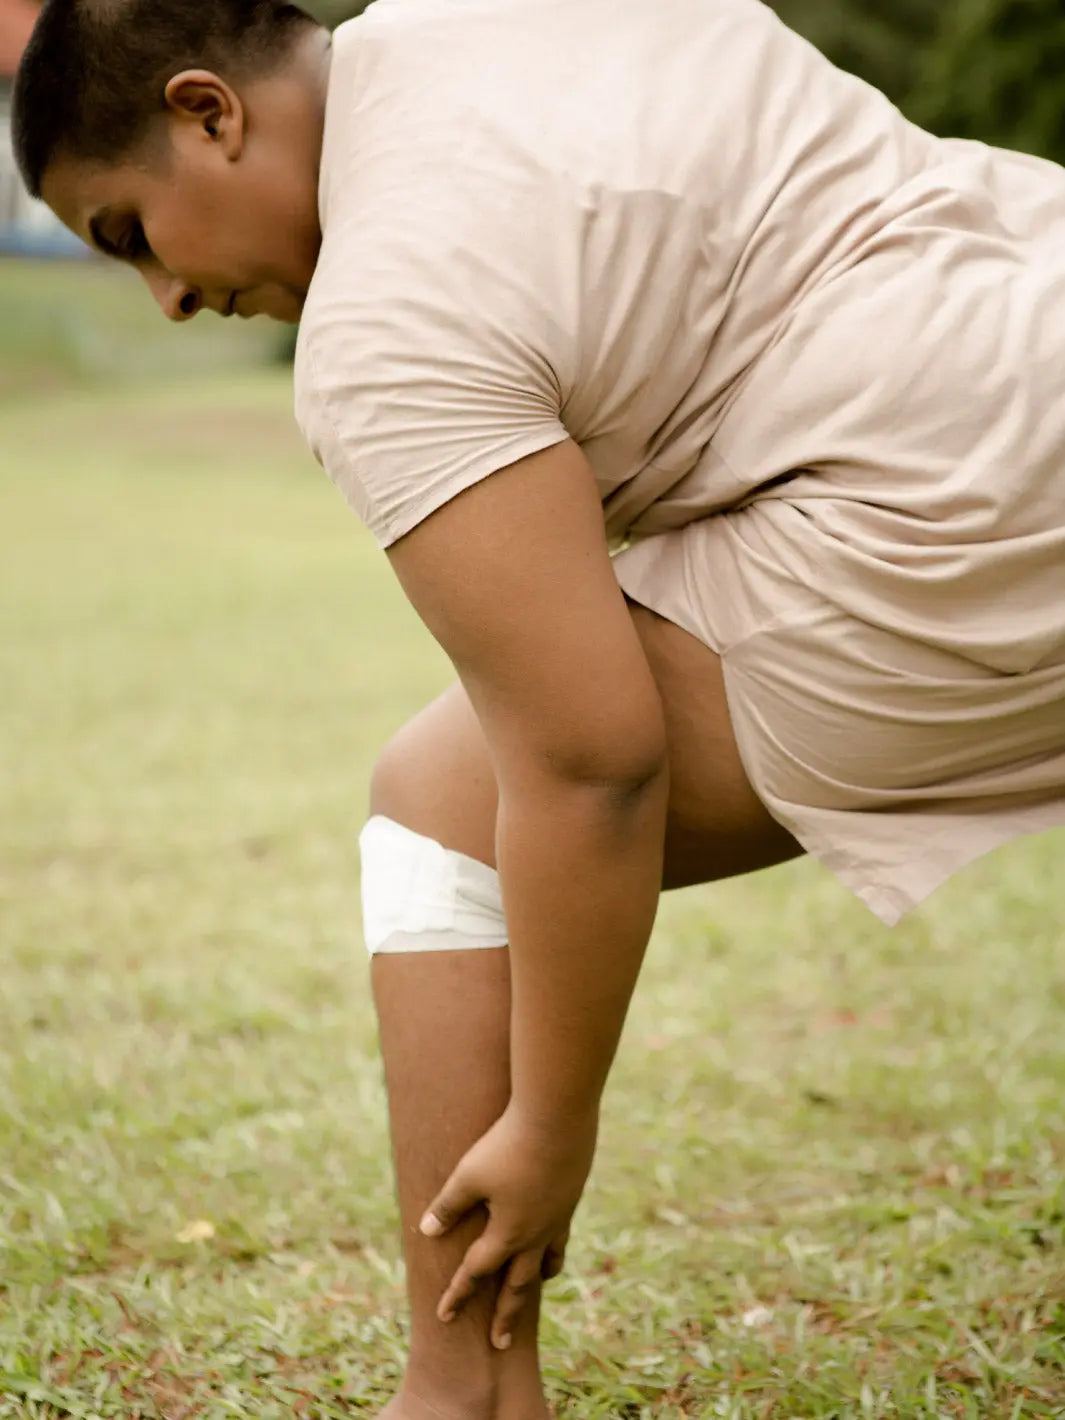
418	896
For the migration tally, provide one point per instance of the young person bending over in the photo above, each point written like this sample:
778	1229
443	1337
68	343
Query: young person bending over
590	276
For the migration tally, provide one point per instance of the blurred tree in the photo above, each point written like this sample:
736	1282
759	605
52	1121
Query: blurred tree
989	69
882	44
994	71
331	12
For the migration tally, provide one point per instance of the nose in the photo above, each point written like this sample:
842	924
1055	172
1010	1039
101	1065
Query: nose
176	299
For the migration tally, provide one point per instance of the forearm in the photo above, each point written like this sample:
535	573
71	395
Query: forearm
581	869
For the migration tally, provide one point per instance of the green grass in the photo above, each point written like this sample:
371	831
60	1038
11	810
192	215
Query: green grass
830	1181
90	322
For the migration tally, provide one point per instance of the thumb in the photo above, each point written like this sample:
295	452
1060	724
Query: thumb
450	1206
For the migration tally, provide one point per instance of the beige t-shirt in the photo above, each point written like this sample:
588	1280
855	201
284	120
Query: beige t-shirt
739	279
574	218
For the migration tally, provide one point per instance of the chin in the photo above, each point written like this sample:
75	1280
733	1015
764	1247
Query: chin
281	305
272	300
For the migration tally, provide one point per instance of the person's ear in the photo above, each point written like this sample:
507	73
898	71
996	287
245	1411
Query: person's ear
213	110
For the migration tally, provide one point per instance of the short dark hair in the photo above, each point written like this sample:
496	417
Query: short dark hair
94	74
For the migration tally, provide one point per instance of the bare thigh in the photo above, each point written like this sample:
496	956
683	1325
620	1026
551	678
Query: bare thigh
435	775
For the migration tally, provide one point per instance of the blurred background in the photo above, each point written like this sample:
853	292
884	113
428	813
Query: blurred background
832	1156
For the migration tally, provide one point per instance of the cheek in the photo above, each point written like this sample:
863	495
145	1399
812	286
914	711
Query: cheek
279	231
194	242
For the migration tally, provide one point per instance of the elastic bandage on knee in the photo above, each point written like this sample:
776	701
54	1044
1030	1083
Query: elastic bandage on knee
418	896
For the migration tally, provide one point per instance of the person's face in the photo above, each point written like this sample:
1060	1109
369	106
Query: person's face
217	210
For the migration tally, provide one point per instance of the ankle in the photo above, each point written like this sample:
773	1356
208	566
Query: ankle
530	1408
509	1388
409	1405
439	1393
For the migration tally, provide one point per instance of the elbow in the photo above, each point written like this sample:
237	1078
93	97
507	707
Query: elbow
633	781
628	793
612	756
622	779
614	799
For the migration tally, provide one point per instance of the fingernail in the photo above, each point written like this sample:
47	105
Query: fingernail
431	1226
503	1344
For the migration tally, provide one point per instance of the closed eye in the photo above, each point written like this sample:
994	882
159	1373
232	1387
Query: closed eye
131	245
135	244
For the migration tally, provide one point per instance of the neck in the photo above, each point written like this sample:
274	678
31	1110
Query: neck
315	61
292	107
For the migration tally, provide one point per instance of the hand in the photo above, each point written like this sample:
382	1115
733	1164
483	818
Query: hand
530	1178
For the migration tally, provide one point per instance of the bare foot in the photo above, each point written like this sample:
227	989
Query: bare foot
411	1407
398	1409
406	1407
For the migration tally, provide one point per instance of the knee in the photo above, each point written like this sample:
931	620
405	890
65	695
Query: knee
386	784
434	777
393	784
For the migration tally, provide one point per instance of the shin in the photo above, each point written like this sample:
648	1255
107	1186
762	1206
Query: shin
441	979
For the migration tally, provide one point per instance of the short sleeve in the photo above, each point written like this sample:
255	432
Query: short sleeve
434	348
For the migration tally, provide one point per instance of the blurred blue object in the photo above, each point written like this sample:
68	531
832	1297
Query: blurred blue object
42	241
27	228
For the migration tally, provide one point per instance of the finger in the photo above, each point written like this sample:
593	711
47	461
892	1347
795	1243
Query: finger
555	1257
484	1258
523	1276
553	1264
450	1206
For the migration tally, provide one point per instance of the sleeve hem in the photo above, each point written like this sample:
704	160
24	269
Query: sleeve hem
492	461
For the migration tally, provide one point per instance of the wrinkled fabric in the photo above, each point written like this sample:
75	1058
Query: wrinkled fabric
813	354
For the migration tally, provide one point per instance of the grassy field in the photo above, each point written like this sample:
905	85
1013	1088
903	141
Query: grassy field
830	1181
90	321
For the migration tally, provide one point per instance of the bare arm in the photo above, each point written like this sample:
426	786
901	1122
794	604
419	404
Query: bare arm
514	580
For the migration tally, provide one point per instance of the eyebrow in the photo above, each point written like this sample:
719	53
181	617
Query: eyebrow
100	239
